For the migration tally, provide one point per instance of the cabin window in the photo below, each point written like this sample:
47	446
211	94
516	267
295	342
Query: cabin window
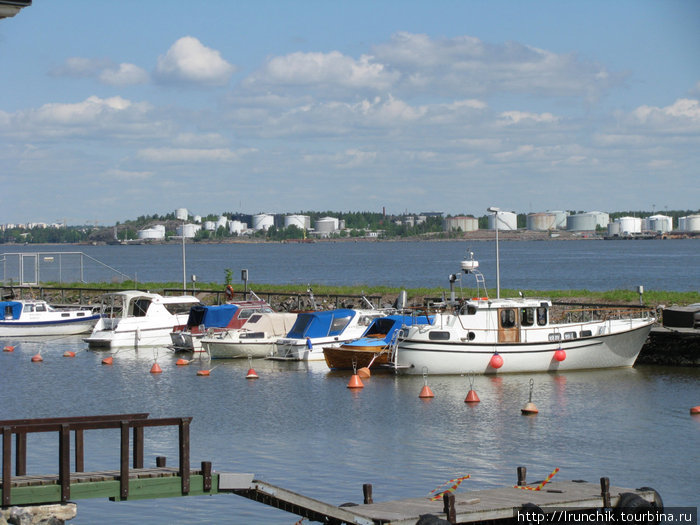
527	316
555	337
507	318
246	313
380	327
8	312
141	307
252	335
40	308
585	333
338	324
179	308
80	314
541	316
434	335
569	335
28	307
65	315
254	318
468	309
471	336
301	325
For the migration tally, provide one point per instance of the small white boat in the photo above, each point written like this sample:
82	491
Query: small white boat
206	320
313	331
133	318
256	338
36	317
492	336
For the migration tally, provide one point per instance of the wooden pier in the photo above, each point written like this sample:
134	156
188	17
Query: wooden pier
133	481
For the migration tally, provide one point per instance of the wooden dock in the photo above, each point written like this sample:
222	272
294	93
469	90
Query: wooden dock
133	481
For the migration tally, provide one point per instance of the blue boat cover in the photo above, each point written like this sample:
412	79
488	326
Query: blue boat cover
212	316
388	325
11	309
321	324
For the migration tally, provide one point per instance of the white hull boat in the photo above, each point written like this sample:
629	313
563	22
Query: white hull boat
37	318
133	319
494	336
256	338
314	331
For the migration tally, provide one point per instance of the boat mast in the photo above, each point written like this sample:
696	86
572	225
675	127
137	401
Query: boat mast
495	211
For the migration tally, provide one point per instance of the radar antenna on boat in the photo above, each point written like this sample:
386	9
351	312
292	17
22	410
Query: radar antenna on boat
470	266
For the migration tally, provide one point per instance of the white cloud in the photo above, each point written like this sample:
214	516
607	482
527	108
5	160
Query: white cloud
516	117
80	67
127	175
681	109
189	61
124	75
177	155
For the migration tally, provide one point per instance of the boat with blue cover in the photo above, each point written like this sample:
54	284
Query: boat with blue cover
36	317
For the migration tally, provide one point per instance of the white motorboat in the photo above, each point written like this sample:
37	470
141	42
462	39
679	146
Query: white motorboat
207	320
313	331
256	338
488	336
36	317
133	318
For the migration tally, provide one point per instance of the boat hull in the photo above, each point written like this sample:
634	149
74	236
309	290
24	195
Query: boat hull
616	350
129	336
72	326
348	357
222	349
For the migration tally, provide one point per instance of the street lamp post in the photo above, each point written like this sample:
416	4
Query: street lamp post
181	213
495	211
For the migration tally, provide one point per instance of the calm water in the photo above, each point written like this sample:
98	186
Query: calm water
528	265
298	426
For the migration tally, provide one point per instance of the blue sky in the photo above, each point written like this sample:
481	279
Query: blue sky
111	110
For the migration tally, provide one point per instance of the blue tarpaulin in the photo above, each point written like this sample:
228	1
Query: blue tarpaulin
11	309
320	324
212	316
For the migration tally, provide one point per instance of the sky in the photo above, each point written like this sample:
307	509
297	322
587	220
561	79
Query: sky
113	110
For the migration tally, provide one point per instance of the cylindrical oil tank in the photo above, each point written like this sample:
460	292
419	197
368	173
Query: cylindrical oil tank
560	220
507	220
327	224
581	222
221	222
614	229
263	221
237	227
629	225
189	229
692	223
209	226
156	232
541	221
466	224
303	222
659	223
602	219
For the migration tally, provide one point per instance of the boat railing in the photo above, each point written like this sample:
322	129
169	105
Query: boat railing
566	313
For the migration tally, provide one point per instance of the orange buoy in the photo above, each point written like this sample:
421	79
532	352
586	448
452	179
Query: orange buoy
364	373
37	358
68	353
472	397
695	410
203	372
355	382
496	361
8	348
530	408
156	369
182	362
426	393
560	355
251	374
108	360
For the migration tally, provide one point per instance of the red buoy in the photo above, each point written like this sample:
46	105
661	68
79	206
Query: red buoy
203	372
695	410
8	348
560	355
37	358
496	361
156	369
355	382
251	374
108	360
364	373
68	353
182	362
472	397
529	409
426	393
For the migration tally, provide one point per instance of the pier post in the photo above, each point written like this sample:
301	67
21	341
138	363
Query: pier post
605	492
448	500
6	465
185	454
206	476
367	492
160	461
64	461
79	450
522	473
124	461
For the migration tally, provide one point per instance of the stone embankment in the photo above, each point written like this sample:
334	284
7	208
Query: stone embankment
55	514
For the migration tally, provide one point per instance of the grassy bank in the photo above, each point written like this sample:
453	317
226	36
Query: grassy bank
651	297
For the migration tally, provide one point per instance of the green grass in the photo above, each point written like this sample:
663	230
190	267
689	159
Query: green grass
651	297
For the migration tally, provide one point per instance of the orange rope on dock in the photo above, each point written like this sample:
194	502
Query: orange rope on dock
455	483
539	487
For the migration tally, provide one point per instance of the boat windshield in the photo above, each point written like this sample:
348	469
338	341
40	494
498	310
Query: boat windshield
178	308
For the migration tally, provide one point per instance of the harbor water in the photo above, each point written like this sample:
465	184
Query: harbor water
299	427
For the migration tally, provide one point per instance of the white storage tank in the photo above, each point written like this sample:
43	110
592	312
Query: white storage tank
582	222
327	225
507	220
466	224
197	219
629	225
156	233
560	219
303	222
181	214
602	219
263	221
237	227
210	226
659	223
614	229
221	222
541	221
692	223
189	229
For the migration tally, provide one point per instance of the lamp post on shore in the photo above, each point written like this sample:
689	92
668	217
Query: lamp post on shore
181	214
495	211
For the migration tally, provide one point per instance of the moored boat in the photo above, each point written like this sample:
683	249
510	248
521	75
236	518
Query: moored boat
133	318
36	317
256	338
314	331
207	320
375	345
